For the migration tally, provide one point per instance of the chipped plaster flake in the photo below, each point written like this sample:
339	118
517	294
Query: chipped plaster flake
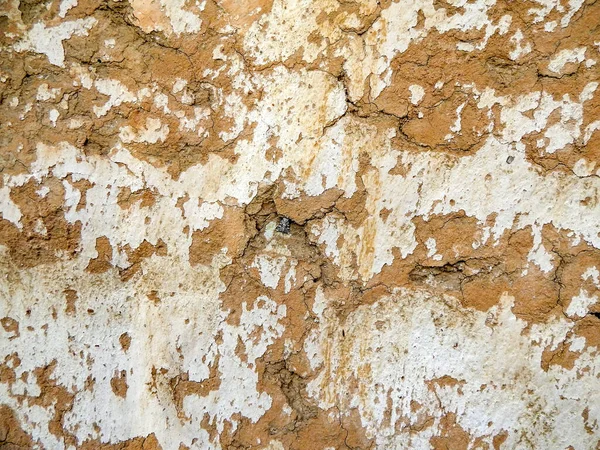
456	126
75	123
48	41
161	101
65	6
490	29
81	76
192	124
419	339
431	247
45	93
179	85
327	232
538	253
546	7
117	93
416	93
574	6
8	209
43	191
565	56
290	277
182	20
199	214
169	16
589	130
593	274
485	235
559	134
519	50
40	228
270	269
584	168
53	115
580	304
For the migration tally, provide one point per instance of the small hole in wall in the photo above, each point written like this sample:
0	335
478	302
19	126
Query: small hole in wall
283	226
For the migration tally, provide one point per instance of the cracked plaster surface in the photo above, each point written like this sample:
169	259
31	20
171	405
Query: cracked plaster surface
437	285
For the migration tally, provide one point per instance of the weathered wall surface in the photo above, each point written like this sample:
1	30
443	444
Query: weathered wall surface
439	284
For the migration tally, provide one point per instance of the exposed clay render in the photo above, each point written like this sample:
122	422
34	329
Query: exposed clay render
307	224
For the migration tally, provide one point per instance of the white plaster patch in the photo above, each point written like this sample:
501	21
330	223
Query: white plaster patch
538	254
65	6
45	93
580	304
182	20
169	16
519	50
117	93
39	227
8	209
75	123
290	277
565	56
416	93
394	351
584	168
53	115
48	41
270	269
593	274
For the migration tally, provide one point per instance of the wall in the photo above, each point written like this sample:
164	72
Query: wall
436	286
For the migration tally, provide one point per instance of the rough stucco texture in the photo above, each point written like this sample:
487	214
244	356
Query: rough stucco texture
437	285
